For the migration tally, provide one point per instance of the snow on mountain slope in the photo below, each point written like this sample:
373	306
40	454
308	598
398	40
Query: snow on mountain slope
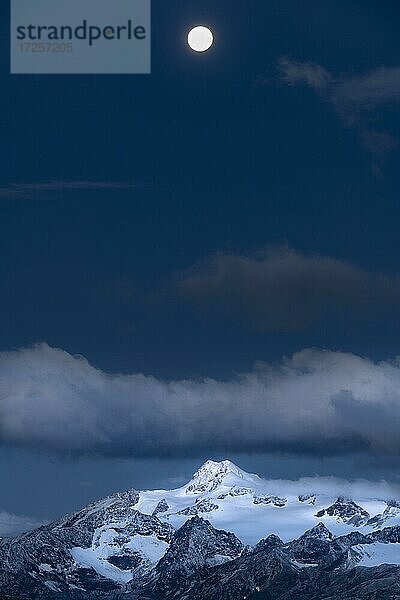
125	543
119	567
254	508
377	554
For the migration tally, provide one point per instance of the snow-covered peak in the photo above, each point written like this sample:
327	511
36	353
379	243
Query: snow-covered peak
213	469
253	508
213	474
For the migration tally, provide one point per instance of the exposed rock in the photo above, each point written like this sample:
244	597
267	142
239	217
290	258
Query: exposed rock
309	498
270	499
347	511
161	507
204	506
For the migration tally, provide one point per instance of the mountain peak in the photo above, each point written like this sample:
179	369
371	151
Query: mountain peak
319	531
212	474
215	469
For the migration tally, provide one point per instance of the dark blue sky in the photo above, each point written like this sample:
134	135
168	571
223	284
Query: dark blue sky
233	151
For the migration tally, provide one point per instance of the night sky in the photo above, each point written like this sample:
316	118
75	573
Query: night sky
201	225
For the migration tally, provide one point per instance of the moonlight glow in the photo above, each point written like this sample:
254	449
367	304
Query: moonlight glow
200	38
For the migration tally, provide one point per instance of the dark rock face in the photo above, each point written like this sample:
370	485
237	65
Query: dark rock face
204	506
236	491
313	545
239	491
378	583
126	562
161	507
309	498
265	569
271	542
388	535
346	510
274	500
195	547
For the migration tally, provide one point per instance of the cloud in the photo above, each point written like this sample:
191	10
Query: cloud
322	402
280	289
332	486
295	73
28	191
12	525
354	97
377	88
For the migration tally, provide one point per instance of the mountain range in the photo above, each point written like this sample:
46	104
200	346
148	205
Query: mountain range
226	534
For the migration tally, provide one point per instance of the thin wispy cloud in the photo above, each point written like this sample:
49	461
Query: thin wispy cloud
379	87
34	190
294	73
356	98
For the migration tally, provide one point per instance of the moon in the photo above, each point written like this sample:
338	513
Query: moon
200	38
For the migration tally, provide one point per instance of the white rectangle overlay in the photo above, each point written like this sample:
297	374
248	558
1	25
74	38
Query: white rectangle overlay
80	36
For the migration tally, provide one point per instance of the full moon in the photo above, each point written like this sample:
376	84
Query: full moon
200	38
